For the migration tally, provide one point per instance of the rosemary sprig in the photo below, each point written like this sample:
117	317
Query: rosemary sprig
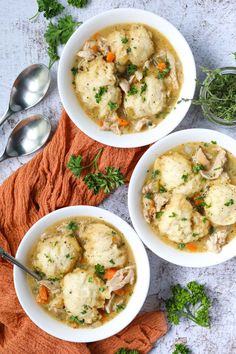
96	180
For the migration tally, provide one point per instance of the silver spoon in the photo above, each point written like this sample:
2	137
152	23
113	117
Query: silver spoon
11	259
28	89
29	135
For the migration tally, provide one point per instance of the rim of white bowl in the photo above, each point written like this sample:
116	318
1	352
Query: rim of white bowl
149	238
57	328
71	104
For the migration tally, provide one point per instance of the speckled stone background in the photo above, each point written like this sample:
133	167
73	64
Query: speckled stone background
210	28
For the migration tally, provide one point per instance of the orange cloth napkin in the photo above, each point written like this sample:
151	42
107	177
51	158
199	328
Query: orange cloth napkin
34	190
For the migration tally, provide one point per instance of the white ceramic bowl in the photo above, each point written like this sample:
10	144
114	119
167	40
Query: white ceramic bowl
57	328
66	90
145	232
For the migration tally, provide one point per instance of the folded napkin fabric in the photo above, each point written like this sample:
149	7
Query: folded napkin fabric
42	185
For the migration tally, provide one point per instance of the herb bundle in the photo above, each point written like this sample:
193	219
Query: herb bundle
96	180
219	97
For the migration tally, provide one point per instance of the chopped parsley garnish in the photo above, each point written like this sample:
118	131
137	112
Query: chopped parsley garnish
145	70
173	215
148	195
184	219
143	88
101	289
120	307
53	279
111	261
230	202
131	68
214	142
132	91
159	214
72	226
90	279
185	177
195	234
50	8
163	69
78	3
155	173
99	269
100	93
198	167
181	246
74	71
76	319
112	105
124	40
128	50
162	189
181	348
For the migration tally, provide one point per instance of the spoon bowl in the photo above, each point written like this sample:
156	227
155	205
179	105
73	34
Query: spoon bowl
28	89
28	136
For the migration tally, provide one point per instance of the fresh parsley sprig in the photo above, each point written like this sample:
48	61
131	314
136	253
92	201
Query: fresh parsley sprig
57	34
190	302
49	8
78	3
181	348
96	180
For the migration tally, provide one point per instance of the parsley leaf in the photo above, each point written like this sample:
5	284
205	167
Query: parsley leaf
78	3
120	307
132	91
76	319
198	167
230	202
112	105
72	226
100	93
131	68
180	348
124	40
111	179
50	8
99	269
143	88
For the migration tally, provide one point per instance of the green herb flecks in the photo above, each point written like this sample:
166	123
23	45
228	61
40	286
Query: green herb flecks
50	8
198	167
163	69
131	68
120	307
113	105
132	91
78	3
181	348
124	40
143	88
76	320
229	202
100	93
74	71
99	269
72	226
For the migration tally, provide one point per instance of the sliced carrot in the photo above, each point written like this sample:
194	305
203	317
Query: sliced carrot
120	292
100	123
110	57
109	273
197	199
95	48
161	66
123	122
43	295
191	247
96	35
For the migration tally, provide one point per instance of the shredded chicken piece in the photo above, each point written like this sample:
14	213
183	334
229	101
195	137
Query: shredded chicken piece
141	124
147	188
124	85
53	286
121	278
108	306
216	168
103	46
115	128
131	79
217	239
200	158
146	64
89	45
160	200
88	54
139	75
149	209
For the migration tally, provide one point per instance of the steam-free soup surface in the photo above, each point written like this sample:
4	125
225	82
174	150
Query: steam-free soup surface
127	78
88	271
189	197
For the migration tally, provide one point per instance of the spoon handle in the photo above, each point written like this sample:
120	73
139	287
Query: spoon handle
11	259
7	114
3	157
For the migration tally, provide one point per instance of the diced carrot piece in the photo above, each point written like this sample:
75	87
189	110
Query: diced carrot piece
96	35
109	273
161	66
191	247
43	295
110	57
95	48
123	122
120	292
100	123
197	199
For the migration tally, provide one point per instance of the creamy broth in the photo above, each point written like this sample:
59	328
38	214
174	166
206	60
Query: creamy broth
61	288
171	91
188	150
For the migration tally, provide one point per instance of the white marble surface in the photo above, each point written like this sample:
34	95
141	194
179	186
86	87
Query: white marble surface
210	28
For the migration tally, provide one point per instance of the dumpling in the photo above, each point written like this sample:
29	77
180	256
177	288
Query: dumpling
192	186
119	42
175	170
103	246
57	255
96	86
180	223
147	101
140	44
84	293
221	204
